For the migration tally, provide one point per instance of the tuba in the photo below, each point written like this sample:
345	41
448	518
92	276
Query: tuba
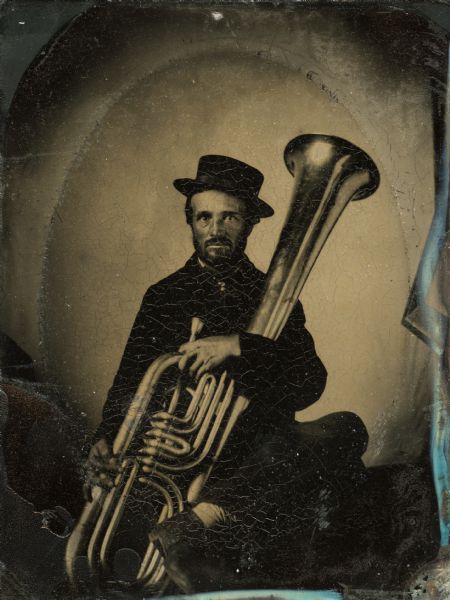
188	425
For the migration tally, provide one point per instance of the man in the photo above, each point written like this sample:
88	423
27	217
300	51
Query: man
275	476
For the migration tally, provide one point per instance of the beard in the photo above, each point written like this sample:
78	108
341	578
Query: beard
219	252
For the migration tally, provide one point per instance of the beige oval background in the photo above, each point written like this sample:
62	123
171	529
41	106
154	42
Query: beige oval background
95	219
120	228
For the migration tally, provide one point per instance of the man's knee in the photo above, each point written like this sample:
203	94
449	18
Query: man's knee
342	432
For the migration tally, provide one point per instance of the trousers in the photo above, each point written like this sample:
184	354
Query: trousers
288	489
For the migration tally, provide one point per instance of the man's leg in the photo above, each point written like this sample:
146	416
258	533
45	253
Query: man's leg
284	493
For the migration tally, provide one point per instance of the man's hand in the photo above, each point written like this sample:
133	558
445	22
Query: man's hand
101	467
207	353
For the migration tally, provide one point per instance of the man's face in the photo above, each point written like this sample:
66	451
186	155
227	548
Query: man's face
219	228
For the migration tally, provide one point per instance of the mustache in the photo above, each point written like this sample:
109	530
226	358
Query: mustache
218	240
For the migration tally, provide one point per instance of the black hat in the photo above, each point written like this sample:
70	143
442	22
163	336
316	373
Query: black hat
227	175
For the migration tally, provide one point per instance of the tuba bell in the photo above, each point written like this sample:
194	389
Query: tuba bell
188	425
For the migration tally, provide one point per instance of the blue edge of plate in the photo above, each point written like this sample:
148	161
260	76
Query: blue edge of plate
265	594
440	420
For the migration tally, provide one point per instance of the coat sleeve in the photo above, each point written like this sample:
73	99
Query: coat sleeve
286	373
143	346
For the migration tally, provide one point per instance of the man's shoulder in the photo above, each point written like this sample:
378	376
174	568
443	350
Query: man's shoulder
256	273
170	282
171	279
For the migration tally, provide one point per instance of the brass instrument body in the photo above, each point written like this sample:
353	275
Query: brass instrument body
188	427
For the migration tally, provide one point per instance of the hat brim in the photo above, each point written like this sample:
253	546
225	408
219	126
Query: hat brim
188	187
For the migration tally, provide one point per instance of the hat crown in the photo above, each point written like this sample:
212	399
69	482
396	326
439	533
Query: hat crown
230	172
227	174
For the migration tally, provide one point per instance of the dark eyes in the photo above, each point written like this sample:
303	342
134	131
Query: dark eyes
226	218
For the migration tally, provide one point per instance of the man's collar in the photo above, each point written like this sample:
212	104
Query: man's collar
238	272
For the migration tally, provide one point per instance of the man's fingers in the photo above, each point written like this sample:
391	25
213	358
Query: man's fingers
96	462
101	467
186	347
186	358
205	354
101	473
200	360
111	464
103	480
191	346
101	449
101	452
182	362
205	367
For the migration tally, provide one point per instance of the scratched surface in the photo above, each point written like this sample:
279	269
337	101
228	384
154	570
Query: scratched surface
108	114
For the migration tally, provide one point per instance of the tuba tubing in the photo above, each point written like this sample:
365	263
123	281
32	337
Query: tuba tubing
329	172
190	427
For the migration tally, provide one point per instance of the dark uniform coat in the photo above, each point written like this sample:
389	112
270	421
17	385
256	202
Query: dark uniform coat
279	377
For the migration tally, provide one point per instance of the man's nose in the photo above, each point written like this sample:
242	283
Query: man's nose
216	227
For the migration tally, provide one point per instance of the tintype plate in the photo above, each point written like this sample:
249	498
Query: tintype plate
157	159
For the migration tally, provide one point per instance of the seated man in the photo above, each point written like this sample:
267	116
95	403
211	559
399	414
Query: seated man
278	481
